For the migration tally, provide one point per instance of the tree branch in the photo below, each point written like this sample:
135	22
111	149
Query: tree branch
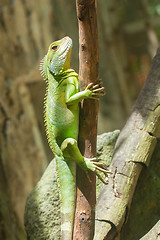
88	72
133	150
154	233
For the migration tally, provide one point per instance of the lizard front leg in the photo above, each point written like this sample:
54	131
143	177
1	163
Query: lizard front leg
91	92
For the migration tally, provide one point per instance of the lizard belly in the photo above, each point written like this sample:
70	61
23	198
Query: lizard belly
63	123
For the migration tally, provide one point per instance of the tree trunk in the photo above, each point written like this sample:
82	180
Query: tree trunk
133	150
88	73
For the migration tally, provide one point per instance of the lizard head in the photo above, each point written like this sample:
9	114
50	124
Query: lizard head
58	56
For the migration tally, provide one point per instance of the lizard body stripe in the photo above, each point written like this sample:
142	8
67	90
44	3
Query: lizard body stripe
58	123
53	84
55	105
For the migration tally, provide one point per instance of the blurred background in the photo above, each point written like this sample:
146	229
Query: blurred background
129	33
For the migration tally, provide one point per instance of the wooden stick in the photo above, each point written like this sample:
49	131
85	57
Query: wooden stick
88	72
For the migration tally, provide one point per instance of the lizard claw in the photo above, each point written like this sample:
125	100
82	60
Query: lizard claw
96	90
89	86
105	181
95	166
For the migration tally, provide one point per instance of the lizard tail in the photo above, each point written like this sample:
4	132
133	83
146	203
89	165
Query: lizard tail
67	179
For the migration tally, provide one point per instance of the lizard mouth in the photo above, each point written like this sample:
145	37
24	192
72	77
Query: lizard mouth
66	48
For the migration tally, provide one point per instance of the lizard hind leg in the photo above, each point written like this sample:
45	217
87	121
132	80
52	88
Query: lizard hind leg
71	152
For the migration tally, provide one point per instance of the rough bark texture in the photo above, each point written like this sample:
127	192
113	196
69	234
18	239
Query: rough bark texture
144	216
133	150
154	233
88	72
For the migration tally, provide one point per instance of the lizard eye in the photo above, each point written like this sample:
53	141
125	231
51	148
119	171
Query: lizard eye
54	47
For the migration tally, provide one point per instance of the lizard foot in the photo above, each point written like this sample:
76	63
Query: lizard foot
97	90
95	166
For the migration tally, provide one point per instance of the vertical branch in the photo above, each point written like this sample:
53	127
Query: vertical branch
88	72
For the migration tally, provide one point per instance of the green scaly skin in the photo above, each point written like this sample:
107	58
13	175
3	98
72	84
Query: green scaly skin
62	124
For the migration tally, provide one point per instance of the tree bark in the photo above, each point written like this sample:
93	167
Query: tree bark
133	150
88	72
154	233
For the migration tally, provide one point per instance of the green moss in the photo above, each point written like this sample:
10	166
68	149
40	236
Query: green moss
42	215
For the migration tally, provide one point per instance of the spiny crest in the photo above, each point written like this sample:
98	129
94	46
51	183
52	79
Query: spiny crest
46	127
41	68
50	140
45	100
42	63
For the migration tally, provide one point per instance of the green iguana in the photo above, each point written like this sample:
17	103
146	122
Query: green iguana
62	124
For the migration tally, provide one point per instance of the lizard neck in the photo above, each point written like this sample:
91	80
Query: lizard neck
67	63
62	75
54	81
